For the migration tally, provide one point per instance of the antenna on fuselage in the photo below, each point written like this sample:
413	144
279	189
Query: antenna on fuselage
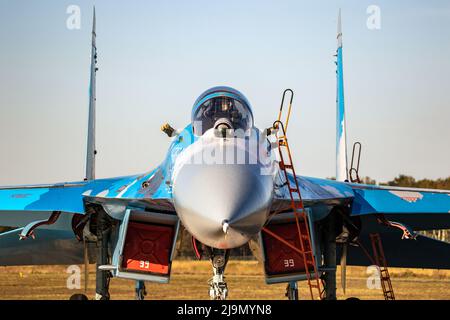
341	135
91	151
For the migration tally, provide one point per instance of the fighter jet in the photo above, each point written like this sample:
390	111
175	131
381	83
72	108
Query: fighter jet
228	183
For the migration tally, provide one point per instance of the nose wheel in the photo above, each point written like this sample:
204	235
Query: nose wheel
218	289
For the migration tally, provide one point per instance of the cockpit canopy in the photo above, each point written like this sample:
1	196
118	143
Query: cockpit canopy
221	108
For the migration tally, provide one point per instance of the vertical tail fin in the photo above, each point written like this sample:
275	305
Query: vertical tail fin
341	136
91	152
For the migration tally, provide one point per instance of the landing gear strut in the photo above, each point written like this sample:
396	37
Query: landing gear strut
140	290
218	289
329	257
292	290
103	277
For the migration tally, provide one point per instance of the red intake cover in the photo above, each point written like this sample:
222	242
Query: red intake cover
281	259
147	248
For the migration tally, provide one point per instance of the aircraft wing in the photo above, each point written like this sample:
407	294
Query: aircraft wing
22	207
420	209
389	211
26	207
69	198
393	212
320	194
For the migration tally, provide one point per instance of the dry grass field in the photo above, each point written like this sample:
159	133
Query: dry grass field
189	281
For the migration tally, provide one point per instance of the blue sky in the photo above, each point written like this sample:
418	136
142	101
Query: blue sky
156	57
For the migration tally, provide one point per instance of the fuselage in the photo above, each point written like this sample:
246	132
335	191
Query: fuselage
223	181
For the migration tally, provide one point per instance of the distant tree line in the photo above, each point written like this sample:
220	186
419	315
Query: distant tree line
408	181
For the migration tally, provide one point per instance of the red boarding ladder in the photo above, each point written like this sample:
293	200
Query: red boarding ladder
378	258
381	262
301	218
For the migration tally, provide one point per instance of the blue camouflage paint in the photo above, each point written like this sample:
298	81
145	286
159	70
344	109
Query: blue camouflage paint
370	200
341	139
69	197
340	96
157	185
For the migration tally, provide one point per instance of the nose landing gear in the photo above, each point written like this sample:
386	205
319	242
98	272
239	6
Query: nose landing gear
218	289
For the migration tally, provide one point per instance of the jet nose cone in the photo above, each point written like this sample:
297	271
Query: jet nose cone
222	205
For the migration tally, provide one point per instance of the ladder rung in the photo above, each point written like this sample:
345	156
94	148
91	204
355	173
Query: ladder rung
294	190
285	166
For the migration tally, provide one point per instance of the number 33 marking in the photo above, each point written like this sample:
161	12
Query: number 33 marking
289	263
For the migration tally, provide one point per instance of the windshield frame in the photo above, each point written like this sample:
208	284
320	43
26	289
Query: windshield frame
218	94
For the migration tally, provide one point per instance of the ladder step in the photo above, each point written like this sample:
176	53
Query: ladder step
298	207
285	166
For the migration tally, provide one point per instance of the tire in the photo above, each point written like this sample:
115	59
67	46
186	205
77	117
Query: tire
78	296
